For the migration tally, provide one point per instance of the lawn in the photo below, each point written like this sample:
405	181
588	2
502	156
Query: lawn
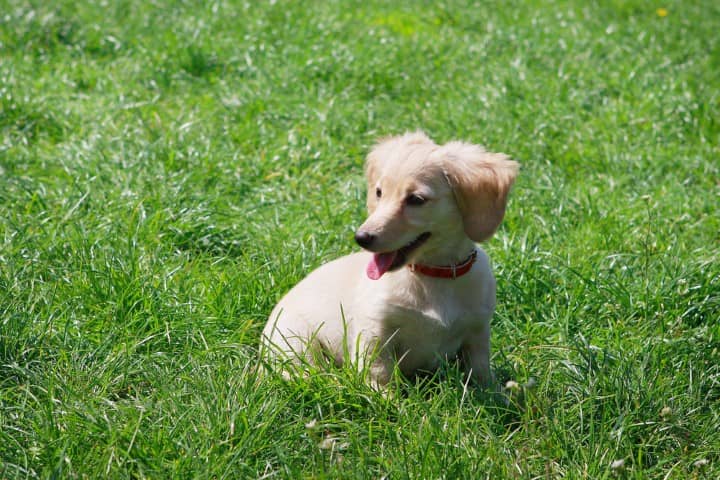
169	169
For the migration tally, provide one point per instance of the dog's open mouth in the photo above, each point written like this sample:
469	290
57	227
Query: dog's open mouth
388	261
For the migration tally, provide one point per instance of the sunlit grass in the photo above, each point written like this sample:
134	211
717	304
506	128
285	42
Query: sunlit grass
169	170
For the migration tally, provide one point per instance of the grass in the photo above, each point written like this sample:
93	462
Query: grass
169	169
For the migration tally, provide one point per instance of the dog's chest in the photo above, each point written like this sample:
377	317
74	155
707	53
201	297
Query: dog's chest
420	340
429	321
431	325
444	306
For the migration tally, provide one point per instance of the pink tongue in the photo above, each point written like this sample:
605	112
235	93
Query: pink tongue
380	264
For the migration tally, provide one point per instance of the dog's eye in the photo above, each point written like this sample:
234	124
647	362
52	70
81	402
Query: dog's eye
414	200
378	192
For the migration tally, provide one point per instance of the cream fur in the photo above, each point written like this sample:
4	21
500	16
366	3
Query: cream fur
405	318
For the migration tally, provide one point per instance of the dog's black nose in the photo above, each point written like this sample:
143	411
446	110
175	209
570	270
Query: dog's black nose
364	239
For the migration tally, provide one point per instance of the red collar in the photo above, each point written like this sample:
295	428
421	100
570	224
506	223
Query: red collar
450	271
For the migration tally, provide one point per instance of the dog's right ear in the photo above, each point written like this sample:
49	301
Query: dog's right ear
481	182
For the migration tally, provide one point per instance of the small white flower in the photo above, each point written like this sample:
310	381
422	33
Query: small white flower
332	443
512	385
617	466
327	443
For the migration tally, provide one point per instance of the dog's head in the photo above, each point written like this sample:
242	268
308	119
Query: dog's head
424	199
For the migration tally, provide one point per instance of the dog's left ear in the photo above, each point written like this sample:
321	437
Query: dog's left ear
481	182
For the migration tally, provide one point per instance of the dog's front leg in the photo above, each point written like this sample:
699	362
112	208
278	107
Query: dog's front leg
374	359
476	357
381	370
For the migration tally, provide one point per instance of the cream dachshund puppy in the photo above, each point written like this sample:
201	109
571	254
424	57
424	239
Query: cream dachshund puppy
422	290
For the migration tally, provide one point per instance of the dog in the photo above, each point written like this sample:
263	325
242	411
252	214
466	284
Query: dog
421	291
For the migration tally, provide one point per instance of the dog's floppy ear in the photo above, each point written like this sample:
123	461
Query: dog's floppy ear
481	182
